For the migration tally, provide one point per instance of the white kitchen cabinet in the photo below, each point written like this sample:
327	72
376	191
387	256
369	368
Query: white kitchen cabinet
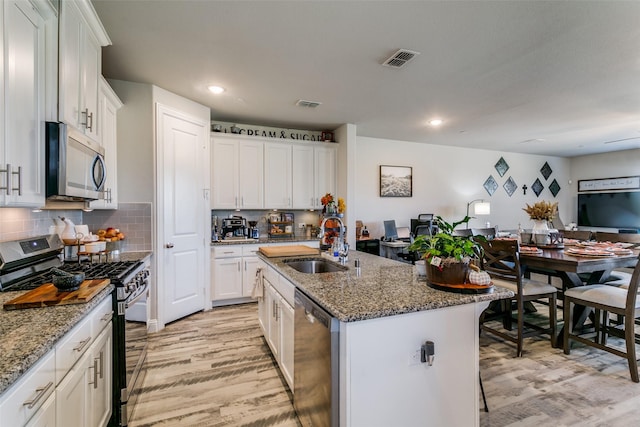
80	41
286	341
233	271
100	370
72	395
237	173
277	175
108	105
26	397
273	305
314	174
23	50
249	268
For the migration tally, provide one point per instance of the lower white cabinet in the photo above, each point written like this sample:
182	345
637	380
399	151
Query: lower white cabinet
276	315
72	384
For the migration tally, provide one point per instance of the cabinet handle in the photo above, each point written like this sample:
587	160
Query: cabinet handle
95	373
90	121
80	347
85	113
19	187
245	266
239	269
236	201
40	391
273	309
7	171
107	317
277	310
101	358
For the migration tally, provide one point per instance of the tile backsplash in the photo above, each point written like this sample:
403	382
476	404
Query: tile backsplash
133	219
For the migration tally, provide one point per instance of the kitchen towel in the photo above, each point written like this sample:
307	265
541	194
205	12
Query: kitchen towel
258	285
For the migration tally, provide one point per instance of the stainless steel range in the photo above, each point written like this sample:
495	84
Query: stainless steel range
25	264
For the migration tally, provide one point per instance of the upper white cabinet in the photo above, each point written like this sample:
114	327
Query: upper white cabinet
81	37
108	105
23	49
277	175
237	175
314	174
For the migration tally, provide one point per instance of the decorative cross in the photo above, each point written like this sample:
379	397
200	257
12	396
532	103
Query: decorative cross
524	189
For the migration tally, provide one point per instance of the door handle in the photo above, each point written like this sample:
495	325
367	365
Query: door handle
168	245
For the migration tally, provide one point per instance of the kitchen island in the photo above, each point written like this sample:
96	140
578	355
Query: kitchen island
385	314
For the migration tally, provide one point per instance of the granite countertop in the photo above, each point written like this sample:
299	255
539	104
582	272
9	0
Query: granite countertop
263	240
384	288
27	335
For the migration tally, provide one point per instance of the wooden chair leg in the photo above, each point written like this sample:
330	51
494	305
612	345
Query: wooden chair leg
520	326
568	325
629	336
552	318
604	328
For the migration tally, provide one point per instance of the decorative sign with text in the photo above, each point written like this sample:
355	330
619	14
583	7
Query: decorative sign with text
271	132
607	184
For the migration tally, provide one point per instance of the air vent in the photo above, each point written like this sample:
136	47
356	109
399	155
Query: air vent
308	104
400	58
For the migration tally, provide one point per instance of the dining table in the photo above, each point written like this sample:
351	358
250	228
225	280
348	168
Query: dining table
577	270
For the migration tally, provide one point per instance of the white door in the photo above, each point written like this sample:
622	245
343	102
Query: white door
183	204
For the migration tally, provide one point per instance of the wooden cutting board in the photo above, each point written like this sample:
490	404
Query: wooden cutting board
48	295
293	250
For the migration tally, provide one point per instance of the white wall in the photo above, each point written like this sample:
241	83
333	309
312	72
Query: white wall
445	179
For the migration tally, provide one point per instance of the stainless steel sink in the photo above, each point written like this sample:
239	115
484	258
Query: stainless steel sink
314	266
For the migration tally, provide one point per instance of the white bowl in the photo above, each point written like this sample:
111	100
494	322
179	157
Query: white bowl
95	247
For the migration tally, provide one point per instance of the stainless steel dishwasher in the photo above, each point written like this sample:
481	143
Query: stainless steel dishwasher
316	364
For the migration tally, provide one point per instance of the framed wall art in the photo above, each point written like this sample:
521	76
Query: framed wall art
606	184
396	181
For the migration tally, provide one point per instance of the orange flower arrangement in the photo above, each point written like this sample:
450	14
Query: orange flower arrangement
326	199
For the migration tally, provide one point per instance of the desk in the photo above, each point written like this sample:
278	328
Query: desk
391	249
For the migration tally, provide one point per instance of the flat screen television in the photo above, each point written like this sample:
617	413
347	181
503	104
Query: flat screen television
613	210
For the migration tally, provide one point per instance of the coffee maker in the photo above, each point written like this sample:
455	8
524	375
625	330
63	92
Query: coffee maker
234	227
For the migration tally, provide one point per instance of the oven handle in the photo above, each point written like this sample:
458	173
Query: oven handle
132	301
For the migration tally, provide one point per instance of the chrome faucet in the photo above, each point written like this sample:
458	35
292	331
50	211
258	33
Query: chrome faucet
342	230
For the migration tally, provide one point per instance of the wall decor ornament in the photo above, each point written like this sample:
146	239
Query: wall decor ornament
606	184
396	181
554	188
546	170
502	167
537	187
510	186
490	185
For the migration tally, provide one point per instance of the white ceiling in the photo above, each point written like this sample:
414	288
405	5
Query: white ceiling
543	77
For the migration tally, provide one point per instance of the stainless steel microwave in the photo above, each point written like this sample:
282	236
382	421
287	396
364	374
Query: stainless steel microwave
75	165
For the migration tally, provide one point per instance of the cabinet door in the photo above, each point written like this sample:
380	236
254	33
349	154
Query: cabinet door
224	174
73	395
286	342
24	66
91	70
273	307
227	274
70	59
325	172
277	175
251	175
303	190
101	375
107	128
249	268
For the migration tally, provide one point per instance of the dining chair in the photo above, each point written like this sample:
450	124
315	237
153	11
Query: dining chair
584	235
462	232
606	300
501	259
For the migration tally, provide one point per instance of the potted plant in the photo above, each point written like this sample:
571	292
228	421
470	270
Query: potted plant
447	256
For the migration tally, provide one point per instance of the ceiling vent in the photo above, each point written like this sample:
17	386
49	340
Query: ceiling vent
308	104
400	58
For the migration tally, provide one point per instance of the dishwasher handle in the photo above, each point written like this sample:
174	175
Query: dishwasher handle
312	312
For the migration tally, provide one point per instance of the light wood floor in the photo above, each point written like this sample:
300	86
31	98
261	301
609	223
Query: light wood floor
214	369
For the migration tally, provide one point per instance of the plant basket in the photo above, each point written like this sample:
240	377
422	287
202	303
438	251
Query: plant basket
451	271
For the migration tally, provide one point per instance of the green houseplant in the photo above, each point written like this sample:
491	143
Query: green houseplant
447	255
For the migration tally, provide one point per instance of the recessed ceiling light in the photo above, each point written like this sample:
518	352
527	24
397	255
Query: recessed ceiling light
435	122
216	89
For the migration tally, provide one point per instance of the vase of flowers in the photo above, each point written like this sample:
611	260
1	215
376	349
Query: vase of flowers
541	213
328	204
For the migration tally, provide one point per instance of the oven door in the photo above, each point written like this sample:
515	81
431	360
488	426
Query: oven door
136	348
